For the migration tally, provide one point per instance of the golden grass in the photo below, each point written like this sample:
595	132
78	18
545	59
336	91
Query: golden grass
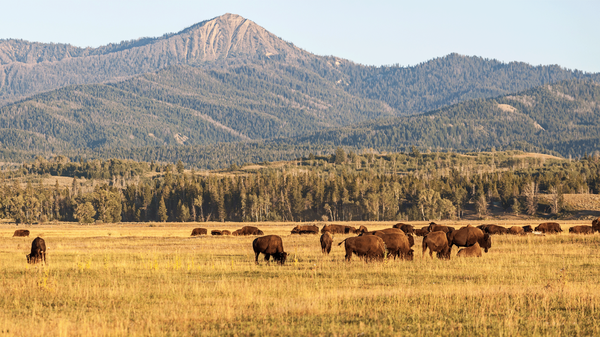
132	279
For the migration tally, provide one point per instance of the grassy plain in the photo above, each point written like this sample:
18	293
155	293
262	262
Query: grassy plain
132	279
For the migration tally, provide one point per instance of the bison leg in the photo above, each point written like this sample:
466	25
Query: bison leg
267	257
256	258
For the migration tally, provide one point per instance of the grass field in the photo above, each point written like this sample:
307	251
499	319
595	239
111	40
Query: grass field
133	279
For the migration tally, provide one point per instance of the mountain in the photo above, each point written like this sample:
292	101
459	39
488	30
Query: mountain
228	80
28	68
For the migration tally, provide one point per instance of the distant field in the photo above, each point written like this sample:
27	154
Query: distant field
133	279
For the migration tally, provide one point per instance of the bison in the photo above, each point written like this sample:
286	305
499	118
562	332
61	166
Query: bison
422	231
225	232
581	230
596	225
362	229
21	232
326	242
385	231
269	245
216	232
468	236
437	242
516	230
199	231
406	228
527	229
38	251
411	240
548	228
436	228
236	232
250	230
494	229
473	251
338	229
397	245
367	247
310	229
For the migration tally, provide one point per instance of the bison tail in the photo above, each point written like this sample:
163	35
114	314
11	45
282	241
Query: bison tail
339	244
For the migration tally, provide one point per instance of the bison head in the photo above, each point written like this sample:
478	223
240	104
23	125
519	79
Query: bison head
486	242
280	257
409	256
28	258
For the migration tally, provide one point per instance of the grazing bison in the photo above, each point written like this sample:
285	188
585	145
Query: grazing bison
548	228
516	230
38	251
437	242
367	247
527	229
581	230
495	229
468	236
250	230
326	242
473	251
216	232
21	232
422	231
225	232
397	245
310	229
338	229
362	229
269	245
406	228
199	231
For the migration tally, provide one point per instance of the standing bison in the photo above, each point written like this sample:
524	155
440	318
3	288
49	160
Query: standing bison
248	230
38	251
437	242
548	228
397	245
310	229
406	228
473	251
199	231
326	242
468	236
367	247
21	232
269	245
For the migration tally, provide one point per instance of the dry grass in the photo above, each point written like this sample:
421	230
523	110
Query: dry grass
139	280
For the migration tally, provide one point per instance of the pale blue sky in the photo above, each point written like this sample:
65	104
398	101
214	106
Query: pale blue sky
372	32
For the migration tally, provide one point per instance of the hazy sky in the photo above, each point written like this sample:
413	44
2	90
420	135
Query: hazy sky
373	32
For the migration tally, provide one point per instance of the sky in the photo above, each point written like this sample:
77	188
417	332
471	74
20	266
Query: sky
373	32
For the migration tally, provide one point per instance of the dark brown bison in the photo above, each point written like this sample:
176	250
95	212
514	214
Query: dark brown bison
406	228
596	225
326	242
338	229
437	242
527	229
468	236
495	229
482	227
397	245
216	232
225	232
473	251
516	230
422	231
581	230
309	229
269	245
38	251
366	246
236	232
199	231
21	232
250	230
437	228
362	229
548	228
411	240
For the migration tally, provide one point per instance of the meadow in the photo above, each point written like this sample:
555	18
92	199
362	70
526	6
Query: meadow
154	279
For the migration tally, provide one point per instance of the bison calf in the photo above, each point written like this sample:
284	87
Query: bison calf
473	251
38	251
199	231
269	245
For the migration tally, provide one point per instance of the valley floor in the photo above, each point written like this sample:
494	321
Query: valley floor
154	279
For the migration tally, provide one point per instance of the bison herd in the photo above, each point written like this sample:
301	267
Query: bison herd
396	242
